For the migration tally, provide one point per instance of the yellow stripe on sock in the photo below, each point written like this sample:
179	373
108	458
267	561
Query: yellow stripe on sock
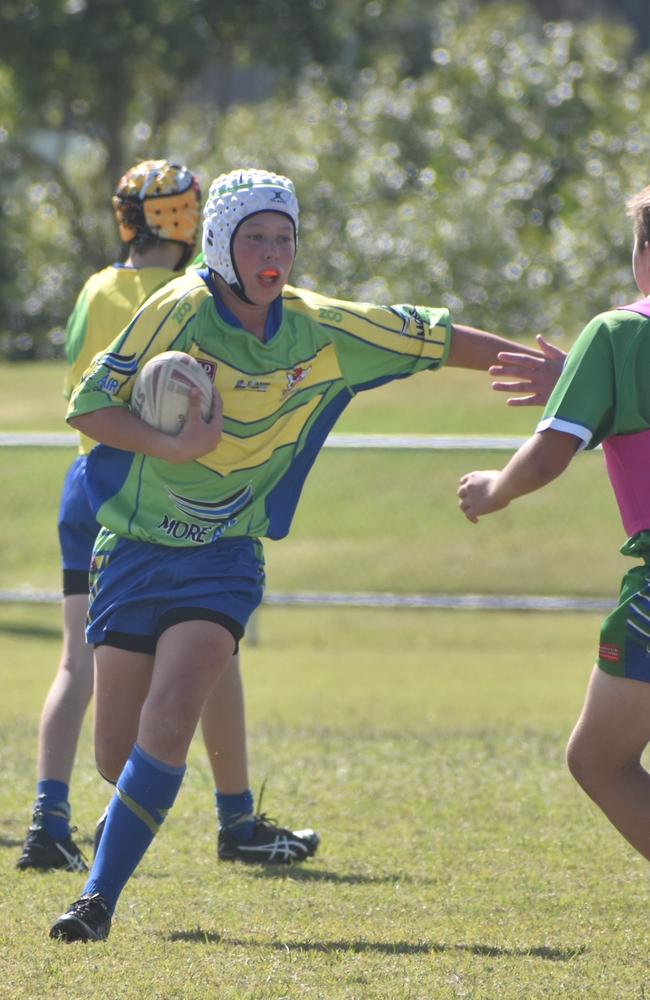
141	813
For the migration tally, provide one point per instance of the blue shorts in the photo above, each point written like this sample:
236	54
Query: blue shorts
77	529
139	589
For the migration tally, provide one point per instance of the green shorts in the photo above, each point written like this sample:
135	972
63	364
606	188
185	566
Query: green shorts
624	649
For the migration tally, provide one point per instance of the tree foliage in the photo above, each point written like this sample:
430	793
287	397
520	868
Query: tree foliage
463	153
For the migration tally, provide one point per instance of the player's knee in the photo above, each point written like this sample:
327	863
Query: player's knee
76	667
107	770
109	761
106	777
597	766
574	761
179	704
581	761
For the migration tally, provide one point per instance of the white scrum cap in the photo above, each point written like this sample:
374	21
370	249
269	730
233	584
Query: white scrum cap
234	197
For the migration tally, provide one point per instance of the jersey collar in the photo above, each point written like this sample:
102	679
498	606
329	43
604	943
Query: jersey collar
273	319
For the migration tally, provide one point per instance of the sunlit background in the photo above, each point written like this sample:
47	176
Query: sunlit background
466	153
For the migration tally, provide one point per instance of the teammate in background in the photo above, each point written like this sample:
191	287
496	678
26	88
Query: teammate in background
603	396
157	208
285	362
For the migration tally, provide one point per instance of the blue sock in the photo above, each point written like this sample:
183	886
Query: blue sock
52	803
146	790
236	813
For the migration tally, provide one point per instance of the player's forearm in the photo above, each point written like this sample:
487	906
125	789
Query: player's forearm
478	349
121	428
540	460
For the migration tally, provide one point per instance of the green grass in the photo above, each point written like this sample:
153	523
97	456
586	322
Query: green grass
31	396
451	401
368	520
458	858
374	520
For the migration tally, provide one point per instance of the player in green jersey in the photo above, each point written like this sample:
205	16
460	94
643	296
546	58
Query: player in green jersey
603	396
178	566
157	209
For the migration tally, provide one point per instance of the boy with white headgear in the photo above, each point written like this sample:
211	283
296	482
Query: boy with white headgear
157	206
285	362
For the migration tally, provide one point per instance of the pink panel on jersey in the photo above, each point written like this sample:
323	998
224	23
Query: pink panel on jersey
628	466
642	307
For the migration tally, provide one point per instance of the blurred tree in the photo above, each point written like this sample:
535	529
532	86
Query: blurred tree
494	181
94	83
635	12
461	151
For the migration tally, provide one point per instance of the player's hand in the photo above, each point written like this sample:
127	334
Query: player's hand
477	494
198	436
535	376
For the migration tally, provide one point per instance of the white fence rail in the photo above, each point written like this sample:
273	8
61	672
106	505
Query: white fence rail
366	600
427	442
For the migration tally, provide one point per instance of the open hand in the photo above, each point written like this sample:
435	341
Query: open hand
535	375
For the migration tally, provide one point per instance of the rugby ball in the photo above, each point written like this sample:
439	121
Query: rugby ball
161	393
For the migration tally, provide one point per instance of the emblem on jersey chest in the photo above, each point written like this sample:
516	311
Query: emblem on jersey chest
295	377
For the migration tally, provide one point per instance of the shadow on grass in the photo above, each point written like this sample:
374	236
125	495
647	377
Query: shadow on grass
295	874
11	842
201	936
314	875
31	629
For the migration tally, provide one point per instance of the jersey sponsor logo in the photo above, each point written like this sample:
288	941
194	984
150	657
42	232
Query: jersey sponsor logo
607	651
186	531
410	316
123	364
208	366
213	511
333	315
182	311
295	377
209	518
252	384
108	384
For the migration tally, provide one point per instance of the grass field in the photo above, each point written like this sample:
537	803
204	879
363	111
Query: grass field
357	504
458	859
451	401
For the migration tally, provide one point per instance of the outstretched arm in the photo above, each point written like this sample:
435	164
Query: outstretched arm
539	370
542	458
478	349
534	376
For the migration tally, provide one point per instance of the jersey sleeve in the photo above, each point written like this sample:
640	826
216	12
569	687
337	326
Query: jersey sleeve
162	324
583	402
375	344
75	336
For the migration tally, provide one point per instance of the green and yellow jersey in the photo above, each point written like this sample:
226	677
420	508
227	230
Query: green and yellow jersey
281	398
104	306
